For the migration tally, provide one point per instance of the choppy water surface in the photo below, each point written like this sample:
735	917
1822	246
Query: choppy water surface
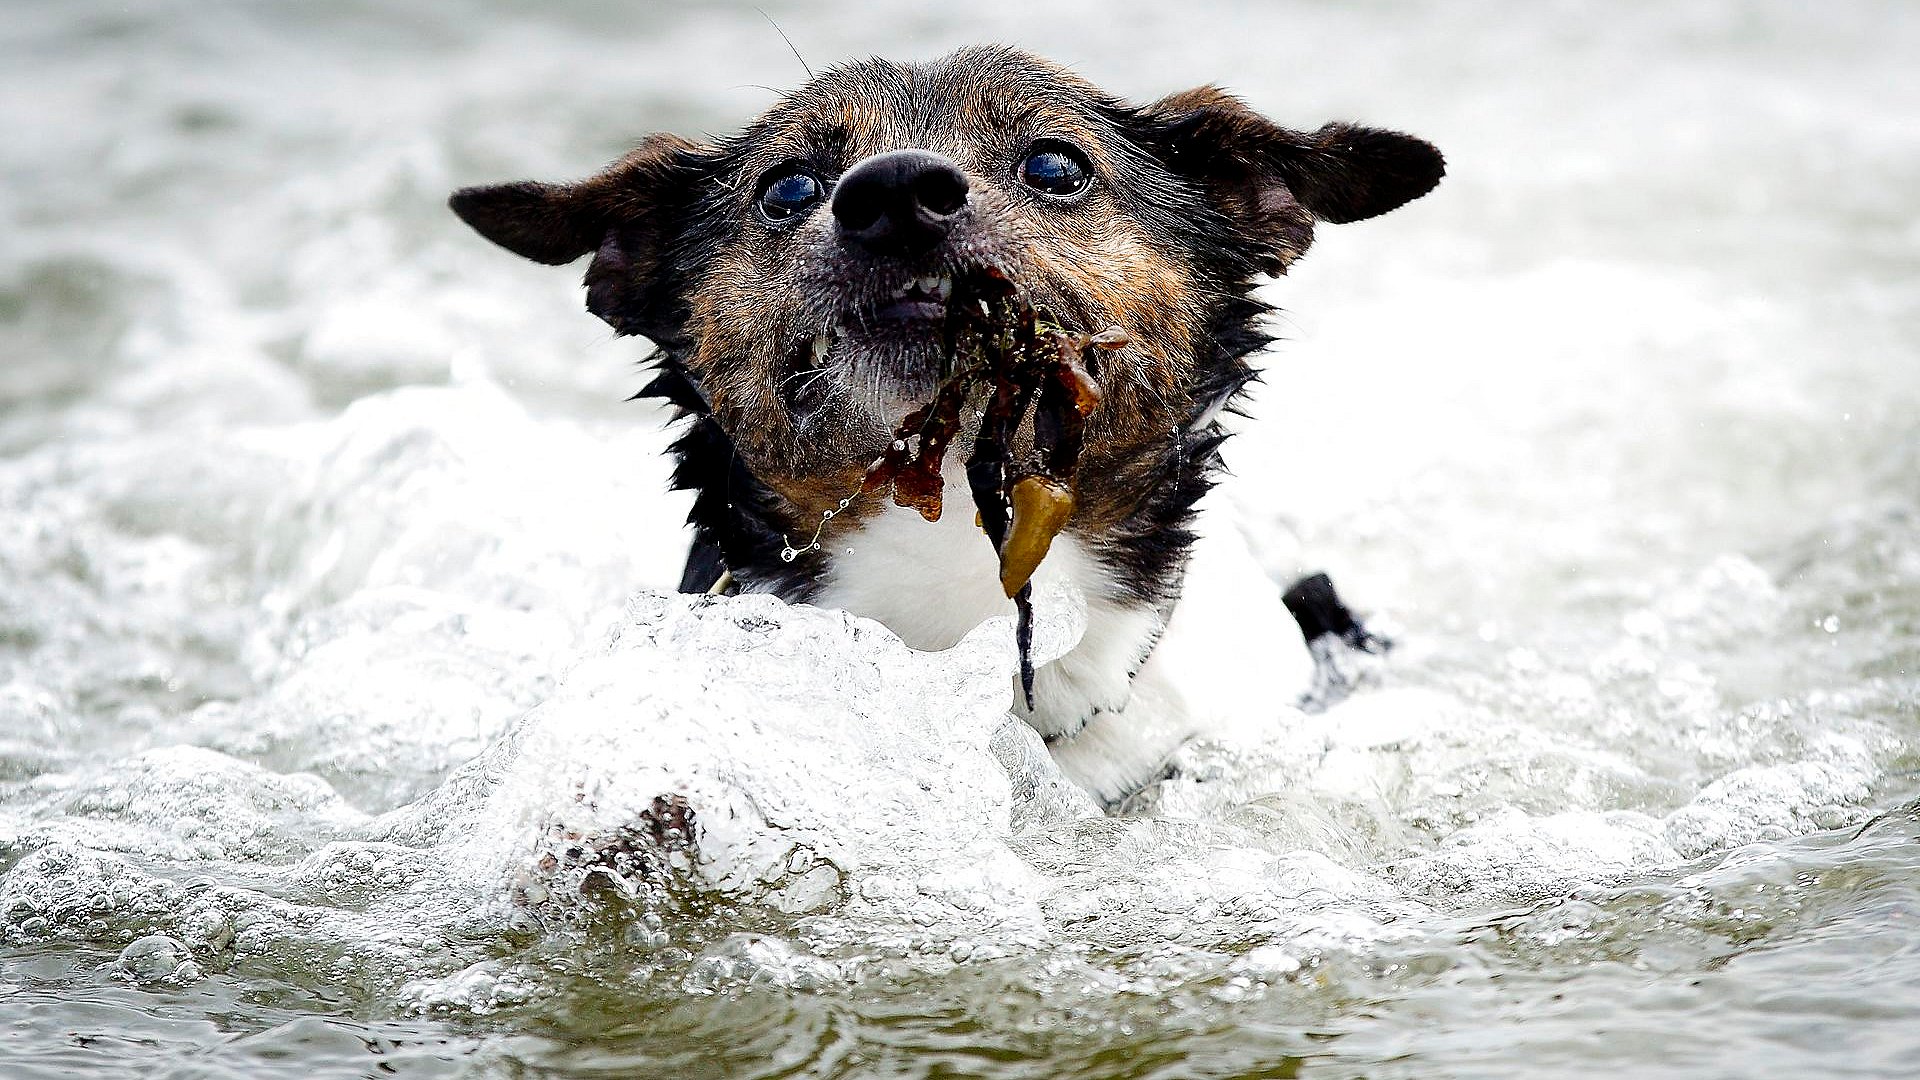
335	694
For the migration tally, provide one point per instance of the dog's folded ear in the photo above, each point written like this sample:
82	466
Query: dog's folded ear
1273	183
548	223
627	215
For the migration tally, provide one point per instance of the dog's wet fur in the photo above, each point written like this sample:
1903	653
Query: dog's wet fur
793	340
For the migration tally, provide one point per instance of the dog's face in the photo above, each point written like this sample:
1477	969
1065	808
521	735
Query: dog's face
800	271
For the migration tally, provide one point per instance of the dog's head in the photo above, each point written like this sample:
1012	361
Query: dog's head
799	272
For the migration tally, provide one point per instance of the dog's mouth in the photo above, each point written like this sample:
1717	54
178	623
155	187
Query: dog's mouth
891	311
917	300
881	340
883	348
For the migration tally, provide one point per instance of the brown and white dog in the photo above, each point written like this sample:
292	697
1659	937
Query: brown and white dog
796	276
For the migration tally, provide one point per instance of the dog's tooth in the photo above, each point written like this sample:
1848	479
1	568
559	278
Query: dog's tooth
943	286
820	345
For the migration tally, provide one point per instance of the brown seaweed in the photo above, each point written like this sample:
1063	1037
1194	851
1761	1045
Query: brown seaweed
1017	358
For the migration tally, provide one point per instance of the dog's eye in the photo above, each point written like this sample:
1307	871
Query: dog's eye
1055	168
786	192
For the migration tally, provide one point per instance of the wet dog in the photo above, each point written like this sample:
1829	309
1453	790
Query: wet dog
796	279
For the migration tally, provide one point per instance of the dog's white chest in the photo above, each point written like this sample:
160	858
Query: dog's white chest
929	581
932	582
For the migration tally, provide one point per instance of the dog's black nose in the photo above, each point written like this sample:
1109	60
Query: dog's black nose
901	202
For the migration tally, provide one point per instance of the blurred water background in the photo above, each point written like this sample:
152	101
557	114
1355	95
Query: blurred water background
319	519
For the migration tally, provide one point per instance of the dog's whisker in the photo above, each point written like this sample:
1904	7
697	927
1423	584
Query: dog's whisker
817	376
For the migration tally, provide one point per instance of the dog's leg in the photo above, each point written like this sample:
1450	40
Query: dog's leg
1120	751
1337	641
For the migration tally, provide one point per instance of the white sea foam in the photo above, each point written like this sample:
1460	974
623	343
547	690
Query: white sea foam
806	762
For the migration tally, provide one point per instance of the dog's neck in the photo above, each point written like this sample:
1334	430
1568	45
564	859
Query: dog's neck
742	527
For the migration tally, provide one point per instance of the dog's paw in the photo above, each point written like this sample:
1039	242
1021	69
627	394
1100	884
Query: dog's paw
632	862
1345	653
1342	664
